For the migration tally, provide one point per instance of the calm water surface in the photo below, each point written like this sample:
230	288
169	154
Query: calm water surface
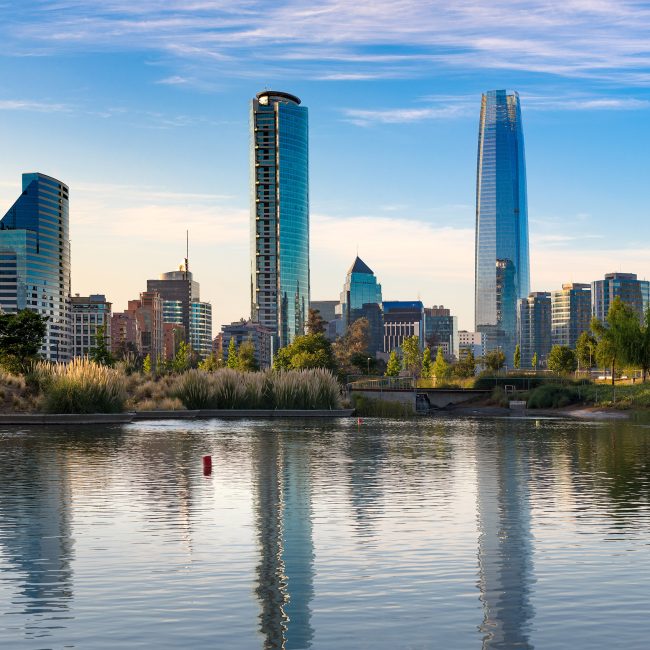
426	534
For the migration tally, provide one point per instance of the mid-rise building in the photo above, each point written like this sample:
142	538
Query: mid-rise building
402	319
570	313
534	329
123	334
182	306
470	341
90	315
279	214
626	286
441	329
333	323
261	337
35	260
140	327
502	257
361	298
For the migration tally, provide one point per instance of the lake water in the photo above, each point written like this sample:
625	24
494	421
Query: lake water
454	533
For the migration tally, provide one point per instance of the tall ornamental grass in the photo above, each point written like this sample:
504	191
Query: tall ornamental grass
82	386
231	389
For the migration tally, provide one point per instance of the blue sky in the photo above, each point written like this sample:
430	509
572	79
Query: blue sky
142	108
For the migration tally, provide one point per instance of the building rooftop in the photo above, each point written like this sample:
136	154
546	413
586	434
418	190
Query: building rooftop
359	266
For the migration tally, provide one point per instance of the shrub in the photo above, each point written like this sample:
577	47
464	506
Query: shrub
552	396
82	386
194	390
381	408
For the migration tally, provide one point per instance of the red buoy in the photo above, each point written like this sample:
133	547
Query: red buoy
207	465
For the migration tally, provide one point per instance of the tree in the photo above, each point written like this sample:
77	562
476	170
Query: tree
412	355
21	337
534	361
211	363
306	351
517	357
232	361
100	353
466	366
182	359
316	324
246	361
562	360
354	341
586	350
394	365
427	366
441	368
146	365
642	349
494	360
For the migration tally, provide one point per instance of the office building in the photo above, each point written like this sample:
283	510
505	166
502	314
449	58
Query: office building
402	319
470	341
502	258
570	313
123	334
441	330
262	339
327	310
89	314
361	298
35	260
534	329
182	306
140	328
279	214
633	292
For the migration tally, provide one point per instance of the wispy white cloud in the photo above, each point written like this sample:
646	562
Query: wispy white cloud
36	106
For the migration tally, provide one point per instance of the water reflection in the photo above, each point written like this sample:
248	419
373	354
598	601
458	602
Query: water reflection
283	518
35	531
505	553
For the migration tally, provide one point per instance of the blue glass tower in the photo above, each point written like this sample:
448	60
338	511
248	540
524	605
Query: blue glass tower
35	259
502	258
279	214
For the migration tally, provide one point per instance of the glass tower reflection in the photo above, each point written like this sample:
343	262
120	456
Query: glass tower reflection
285	571
502	257
505	550
279	214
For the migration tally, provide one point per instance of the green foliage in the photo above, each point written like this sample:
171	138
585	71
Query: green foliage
231	389
427	365
552	396
534	361
494	360
380	408
307	351
21	337
315	322
441	369
211	363
147	365
394	366
183	357
412	355
354	342
586	350
100	353
562	360
517	358
233	360
246	357
82	386
466	366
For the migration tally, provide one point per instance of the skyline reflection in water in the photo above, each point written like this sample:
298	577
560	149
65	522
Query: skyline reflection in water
426	533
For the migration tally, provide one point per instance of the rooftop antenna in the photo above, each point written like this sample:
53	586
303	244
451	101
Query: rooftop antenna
187	252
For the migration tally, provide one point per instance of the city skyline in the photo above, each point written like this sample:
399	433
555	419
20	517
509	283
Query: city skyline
393	137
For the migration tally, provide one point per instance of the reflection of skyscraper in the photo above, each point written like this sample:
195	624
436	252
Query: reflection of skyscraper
285	571
505	553
279	214
502	266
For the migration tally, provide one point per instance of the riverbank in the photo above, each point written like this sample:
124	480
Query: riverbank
578	412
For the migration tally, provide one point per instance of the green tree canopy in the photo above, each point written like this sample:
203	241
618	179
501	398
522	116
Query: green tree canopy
562	359
232	360
494	360
355	341
394	365
307	351
101	353
427	364
441	369
246	357
211	363
517	358
21	337
534	361
412	355
586	350
466	366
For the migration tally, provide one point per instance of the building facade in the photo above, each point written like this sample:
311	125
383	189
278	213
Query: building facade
123	334
470	341
441	329
262	339
279	214
501	256
402	319
626	286
35	260
182	305
140	327
570	313
89	314
534	329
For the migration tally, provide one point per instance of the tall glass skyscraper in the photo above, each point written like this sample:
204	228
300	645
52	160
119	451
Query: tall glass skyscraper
35	260
502	264
279	214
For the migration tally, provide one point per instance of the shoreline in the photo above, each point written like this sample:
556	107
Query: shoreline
574	412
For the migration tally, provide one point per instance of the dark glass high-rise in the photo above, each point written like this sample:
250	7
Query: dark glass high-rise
502	273
279	214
